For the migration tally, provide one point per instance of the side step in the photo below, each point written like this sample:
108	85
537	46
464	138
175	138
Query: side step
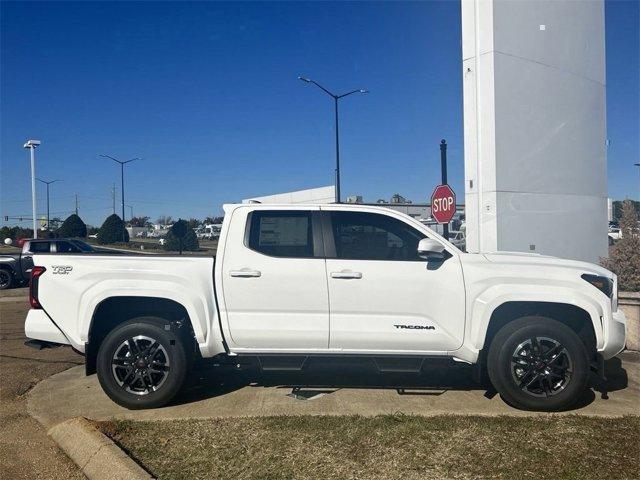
398	365
40	344
287	363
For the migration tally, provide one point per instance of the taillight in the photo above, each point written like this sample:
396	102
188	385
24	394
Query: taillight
33	286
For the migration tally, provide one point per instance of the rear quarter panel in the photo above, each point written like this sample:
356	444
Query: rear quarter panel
74	285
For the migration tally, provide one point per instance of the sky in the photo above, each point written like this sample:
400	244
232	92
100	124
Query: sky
207	95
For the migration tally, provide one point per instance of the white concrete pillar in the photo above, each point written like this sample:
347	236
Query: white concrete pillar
534	127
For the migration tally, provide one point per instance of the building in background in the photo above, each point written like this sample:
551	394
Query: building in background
534	127
312	195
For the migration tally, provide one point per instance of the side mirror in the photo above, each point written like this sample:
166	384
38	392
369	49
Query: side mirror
430	249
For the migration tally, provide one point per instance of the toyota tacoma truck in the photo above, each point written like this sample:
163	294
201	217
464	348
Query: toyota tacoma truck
293	283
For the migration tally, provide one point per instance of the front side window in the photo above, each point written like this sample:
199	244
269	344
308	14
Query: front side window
281	233
66	247
372	236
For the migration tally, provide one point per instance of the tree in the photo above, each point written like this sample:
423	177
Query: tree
139	222
211	220
172	241
194	223
617	208
112	230
73	226
624	255
164	220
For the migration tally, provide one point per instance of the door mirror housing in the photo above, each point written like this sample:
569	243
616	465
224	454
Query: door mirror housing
431	249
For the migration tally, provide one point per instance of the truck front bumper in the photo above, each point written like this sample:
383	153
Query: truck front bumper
615	335
39	326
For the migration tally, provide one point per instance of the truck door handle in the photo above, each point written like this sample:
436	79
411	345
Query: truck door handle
245	272
346	274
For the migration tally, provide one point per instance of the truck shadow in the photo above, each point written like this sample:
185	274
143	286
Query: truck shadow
436	377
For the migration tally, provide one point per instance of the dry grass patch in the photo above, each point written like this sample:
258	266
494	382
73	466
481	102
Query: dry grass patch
385	447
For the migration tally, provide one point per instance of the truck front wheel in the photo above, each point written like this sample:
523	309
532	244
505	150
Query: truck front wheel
142	363
6	279
537	363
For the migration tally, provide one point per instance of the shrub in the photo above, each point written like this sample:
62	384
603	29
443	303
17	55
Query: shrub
189	241
73	226
624	255
112	230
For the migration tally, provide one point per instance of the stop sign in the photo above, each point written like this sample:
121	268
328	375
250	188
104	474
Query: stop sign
443	204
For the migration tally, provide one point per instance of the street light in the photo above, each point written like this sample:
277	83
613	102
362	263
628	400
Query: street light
47	184
122	164
31	145
335	103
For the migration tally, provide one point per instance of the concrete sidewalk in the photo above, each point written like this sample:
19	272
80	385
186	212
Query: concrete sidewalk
71	393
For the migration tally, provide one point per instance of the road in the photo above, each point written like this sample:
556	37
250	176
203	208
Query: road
25	450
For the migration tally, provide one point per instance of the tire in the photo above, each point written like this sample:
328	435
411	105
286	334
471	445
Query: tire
537	363
149	383
6	279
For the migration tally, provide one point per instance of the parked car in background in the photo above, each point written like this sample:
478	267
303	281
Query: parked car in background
15	269
209	232
457	237
615	233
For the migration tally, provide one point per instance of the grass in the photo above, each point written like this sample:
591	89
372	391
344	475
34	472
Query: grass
385	447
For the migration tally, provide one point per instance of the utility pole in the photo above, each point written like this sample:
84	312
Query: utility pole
122	164
335	106
47	184
76	204
31	145
443	170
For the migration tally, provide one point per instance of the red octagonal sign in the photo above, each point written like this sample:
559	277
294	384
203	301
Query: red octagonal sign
443	204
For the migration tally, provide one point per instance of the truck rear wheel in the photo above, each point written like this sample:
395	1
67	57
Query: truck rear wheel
142	363
537	363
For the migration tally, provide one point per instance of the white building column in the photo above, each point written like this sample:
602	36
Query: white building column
534	127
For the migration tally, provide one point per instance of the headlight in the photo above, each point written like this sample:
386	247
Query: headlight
604	284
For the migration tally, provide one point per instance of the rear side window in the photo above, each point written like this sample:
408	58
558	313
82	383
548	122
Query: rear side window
39	247
66	247
281	233
372	236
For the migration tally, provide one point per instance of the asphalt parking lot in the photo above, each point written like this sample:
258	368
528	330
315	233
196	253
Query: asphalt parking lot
51	386
25	450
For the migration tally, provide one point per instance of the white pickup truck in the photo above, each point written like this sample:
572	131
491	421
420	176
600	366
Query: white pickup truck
294	282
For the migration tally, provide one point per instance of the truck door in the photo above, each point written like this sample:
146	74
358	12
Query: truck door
382	296
274	280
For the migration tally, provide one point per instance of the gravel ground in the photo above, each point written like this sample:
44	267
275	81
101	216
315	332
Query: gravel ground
25	450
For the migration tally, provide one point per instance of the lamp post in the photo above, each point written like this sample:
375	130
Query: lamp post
47	184
335	105
122	164
31	145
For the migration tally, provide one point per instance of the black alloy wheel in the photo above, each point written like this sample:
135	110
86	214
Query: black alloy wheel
143	363
538	363
6	279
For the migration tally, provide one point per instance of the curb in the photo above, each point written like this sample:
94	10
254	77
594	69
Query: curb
95	454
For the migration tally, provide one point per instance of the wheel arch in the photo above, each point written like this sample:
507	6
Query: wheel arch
115	310
575	317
